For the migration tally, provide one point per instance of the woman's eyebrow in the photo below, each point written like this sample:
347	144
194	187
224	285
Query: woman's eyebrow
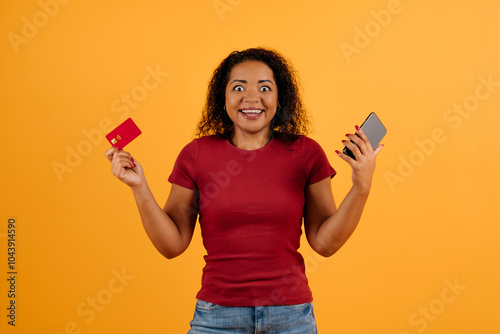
238	80
266	80
244	81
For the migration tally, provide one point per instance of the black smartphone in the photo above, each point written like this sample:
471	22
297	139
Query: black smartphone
373	129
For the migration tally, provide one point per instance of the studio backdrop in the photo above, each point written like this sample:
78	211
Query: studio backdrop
74	256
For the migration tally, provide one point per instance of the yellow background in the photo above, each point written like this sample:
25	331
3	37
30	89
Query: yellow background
427	225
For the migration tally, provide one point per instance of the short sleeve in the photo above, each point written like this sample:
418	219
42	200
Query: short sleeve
317	166
185	167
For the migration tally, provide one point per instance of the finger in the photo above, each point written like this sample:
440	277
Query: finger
344	157
120	166
122	155
353	147
125	160
378	148
121	160
114	153
110	153
361	134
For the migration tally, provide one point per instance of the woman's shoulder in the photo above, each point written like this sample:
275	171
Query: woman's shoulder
310	147
204	143
206	140
307	142
210	140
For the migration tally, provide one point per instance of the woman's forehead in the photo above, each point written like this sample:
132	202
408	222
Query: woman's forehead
252	68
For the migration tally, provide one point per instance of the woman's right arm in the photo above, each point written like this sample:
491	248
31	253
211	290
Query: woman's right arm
170	229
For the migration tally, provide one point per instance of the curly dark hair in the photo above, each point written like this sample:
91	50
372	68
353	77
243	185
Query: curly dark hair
291	118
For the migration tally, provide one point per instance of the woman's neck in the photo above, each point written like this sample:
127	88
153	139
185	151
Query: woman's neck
250	141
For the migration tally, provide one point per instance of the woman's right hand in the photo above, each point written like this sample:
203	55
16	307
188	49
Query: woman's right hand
125	168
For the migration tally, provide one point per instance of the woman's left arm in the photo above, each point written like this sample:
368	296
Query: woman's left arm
328	228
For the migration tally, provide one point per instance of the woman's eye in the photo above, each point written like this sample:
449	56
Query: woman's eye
238	88
265	89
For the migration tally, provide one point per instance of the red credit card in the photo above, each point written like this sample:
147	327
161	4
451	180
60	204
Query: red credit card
123	134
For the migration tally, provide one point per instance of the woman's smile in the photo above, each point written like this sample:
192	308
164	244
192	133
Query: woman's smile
252	113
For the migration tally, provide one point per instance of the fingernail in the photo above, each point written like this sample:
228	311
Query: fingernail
344	141
347	135
357	128
132	159
336	151
133	165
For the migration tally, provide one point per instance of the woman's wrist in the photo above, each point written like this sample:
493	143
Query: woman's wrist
361	189
140	188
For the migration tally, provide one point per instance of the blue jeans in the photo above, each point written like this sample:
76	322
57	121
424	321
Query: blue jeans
289	319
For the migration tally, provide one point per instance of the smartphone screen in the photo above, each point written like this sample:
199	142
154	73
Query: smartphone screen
373	129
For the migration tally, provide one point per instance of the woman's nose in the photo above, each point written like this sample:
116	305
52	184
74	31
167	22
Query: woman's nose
251	96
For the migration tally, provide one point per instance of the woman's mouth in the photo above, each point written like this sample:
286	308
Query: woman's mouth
251	113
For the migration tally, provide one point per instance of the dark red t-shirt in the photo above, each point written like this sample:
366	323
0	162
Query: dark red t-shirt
251	206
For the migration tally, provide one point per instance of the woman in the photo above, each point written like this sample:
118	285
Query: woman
251	176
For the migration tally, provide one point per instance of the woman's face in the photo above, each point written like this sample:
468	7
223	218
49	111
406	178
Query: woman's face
251	97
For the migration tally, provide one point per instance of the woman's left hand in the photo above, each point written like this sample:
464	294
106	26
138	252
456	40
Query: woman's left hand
364	165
